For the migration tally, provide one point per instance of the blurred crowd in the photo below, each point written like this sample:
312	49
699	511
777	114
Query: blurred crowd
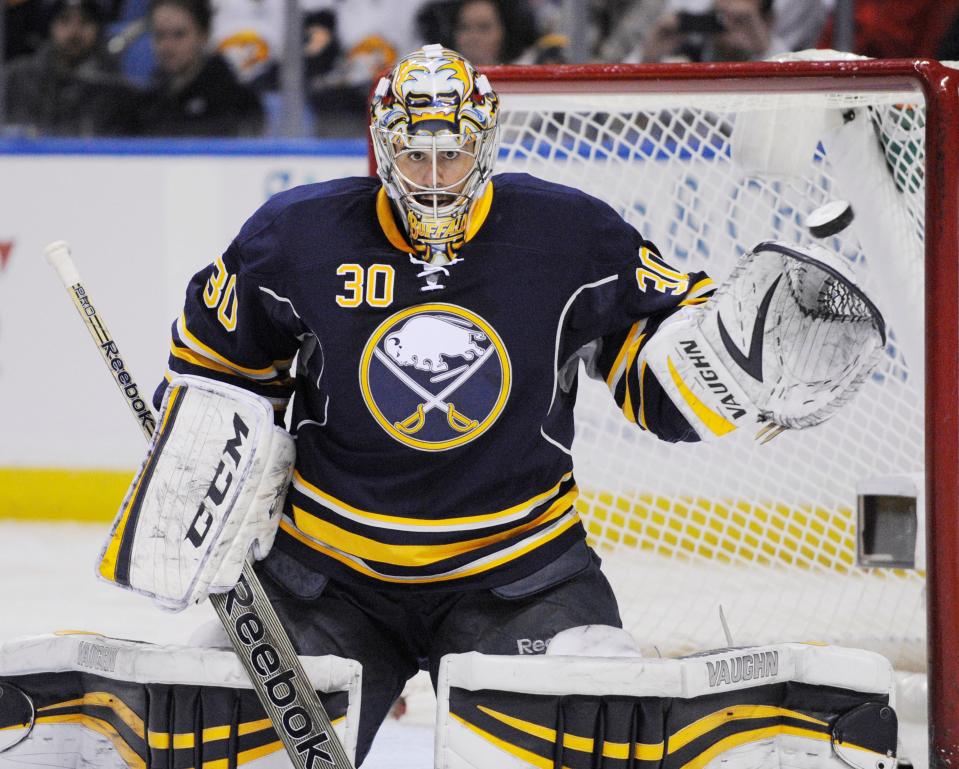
202	68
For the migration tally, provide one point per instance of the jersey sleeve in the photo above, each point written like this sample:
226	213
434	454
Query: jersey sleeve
636	390
232	330
633	291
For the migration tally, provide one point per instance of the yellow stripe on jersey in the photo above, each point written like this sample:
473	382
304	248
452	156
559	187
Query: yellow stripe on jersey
186	354
412	556
108	565
695	294
616	369
191	341
440	523
279	404
716	423
628	408
384	214
469	570
478	212
642	397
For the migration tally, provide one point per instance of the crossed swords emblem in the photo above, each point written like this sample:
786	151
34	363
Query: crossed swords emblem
456	419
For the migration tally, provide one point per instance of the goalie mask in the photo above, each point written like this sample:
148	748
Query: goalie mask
433	121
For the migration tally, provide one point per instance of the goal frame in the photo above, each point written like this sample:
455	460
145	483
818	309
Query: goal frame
940	87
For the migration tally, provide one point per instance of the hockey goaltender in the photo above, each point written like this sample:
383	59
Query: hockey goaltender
419	513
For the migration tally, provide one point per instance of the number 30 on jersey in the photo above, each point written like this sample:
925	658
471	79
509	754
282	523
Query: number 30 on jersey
374	284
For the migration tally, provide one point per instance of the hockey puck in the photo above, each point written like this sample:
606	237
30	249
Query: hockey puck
829	219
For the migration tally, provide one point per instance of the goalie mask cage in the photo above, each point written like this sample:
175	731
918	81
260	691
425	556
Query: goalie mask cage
707	161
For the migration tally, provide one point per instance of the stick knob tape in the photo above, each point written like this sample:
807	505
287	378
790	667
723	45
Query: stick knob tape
58	254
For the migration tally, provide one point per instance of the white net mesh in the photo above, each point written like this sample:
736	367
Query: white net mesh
767	531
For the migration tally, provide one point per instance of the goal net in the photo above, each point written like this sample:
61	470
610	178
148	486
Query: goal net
707	168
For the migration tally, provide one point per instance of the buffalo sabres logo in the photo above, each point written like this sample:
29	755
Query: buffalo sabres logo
435	376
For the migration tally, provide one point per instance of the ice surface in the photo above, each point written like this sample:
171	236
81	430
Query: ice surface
47	583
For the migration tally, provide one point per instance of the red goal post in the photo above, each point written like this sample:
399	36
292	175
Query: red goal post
664	145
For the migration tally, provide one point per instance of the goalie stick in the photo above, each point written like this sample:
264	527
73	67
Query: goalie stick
285	692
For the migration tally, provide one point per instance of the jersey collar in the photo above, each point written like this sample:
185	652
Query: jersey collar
384	214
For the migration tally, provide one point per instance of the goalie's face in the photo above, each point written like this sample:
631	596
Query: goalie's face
434	170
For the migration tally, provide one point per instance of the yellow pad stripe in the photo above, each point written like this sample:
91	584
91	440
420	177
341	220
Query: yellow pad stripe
104	700
620	750
715	423
525	755
161	740
706	724
108	566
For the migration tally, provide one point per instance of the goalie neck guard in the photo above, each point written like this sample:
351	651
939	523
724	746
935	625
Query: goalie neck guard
433	122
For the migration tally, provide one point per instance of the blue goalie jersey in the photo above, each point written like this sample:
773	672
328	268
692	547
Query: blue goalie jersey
433	404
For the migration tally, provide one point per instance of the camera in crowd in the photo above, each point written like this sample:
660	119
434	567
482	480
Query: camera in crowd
708	23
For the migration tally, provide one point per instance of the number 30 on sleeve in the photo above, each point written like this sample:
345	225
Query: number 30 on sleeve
662	278
220	294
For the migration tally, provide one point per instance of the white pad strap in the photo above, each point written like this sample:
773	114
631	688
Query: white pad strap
208	494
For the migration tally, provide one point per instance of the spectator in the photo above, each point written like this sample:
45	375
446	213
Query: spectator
729	30
494	32
25	27
490	31
799	23
892	29
337	93
70	87
349	43
623	31
250	35
370	33
948	49
196	93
